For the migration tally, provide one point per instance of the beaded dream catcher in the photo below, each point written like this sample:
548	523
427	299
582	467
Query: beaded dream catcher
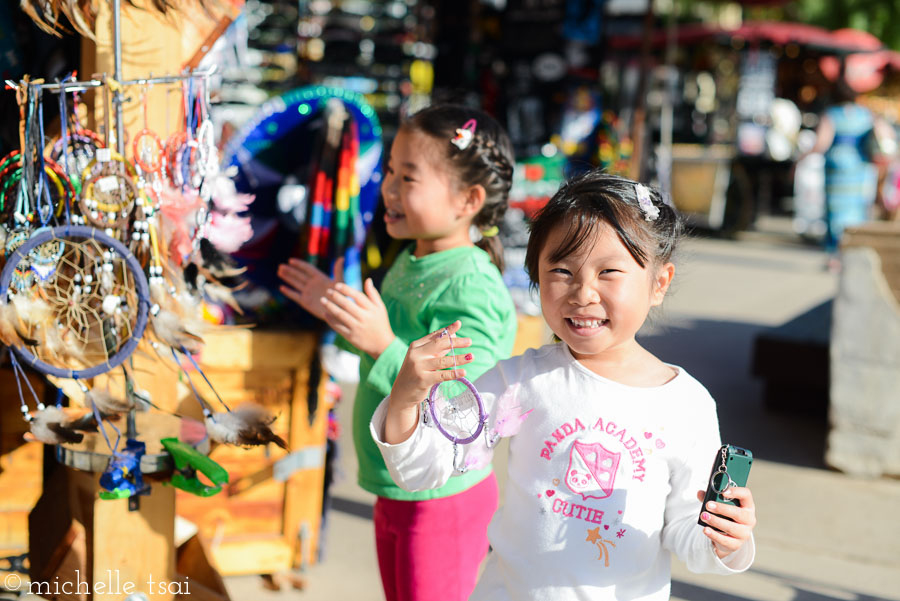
96	255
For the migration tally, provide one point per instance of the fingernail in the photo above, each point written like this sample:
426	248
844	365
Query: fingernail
468	356
704	516
711	505
323	300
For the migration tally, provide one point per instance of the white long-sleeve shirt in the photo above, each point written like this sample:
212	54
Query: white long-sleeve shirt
602	482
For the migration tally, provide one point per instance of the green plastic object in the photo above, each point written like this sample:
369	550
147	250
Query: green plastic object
119	493
188	461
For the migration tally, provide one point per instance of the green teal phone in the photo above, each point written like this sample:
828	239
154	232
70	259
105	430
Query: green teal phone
731	467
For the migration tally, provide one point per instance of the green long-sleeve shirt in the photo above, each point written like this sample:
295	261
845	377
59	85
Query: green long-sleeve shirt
422	295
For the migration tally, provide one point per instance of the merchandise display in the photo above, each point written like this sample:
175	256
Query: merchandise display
105	254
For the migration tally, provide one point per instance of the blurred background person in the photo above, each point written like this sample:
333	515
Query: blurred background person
848	136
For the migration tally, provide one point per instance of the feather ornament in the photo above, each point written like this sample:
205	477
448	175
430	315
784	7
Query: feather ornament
33	311
62	345
109	404
40	13
219	265
226	197
52	425
509	413
172	331
478	455
247	425
228	232
178	212
11	332
77	18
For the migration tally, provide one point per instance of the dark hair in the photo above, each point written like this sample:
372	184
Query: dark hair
487	161
594	198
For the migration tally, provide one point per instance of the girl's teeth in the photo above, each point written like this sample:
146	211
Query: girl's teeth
591	323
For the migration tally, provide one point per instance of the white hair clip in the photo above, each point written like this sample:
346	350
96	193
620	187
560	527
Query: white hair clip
650	211
465	135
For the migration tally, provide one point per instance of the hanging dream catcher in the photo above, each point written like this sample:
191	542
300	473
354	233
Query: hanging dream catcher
81	302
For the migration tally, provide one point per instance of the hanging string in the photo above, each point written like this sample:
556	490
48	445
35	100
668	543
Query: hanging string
20	374
100	423
64	134
206	411
200	371
43	190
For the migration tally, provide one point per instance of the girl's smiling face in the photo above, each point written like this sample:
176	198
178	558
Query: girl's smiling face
596	298
423	201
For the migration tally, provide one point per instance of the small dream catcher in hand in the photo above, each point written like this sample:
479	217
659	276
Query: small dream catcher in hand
458	412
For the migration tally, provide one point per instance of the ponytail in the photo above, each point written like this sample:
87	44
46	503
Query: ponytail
494	248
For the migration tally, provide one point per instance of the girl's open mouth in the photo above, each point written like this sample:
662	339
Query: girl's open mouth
585	325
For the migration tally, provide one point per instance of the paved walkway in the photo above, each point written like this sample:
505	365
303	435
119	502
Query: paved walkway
822	536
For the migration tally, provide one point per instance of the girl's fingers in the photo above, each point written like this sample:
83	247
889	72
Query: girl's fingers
438	334
451	361
737	514
335	313
293	276
451	374
742	495
339	270
345	290
372	292
303	266
291	294
344	302
722	540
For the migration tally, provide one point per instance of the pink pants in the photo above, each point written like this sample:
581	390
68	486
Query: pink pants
431	550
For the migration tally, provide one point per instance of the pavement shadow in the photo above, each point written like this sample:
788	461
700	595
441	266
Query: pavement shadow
692	592
719	355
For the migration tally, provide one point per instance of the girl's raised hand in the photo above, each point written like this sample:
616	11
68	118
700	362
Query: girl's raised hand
360	317
734	533
427	363
306	285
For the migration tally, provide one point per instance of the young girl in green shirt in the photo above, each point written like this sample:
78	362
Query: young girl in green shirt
446	183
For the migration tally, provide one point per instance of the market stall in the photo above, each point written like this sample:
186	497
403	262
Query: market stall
116	271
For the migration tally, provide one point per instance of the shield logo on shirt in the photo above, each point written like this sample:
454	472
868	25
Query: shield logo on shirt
592	470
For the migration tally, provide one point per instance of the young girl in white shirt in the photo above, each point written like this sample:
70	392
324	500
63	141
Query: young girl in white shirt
607	471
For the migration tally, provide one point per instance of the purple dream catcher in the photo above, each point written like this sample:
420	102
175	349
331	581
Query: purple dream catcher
457	411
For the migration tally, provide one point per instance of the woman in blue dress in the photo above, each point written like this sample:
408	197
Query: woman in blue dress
851	176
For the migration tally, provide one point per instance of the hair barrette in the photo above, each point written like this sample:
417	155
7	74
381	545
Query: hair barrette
650	211
465	135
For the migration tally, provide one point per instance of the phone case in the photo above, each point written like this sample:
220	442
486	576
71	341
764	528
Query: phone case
731	467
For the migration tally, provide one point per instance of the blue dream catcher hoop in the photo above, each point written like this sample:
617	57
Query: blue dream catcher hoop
78	299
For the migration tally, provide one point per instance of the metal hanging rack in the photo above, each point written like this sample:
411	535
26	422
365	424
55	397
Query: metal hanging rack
118	100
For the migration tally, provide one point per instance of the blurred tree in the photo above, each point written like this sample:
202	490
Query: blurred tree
878	17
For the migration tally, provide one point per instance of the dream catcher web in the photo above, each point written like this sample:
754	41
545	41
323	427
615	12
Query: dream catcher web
457	410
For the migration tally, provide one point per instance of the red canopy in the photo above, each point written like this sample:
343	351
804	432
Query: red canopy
777	32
